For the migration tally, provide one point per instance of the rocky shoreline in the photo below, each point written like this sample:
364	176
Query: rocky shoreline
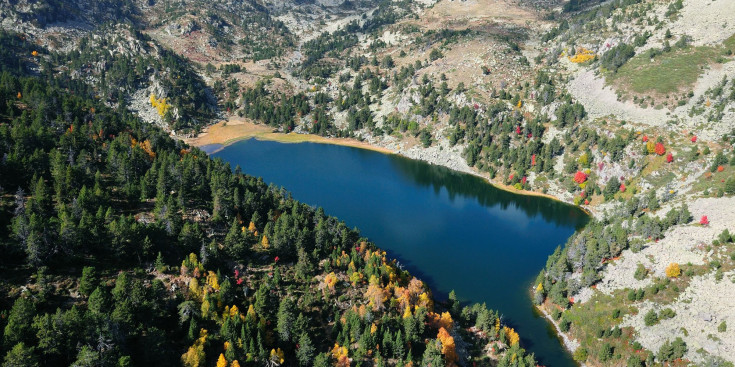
570	344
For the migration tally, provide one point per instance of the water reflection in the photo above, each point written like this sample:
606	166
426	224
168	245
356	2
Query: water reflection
469	186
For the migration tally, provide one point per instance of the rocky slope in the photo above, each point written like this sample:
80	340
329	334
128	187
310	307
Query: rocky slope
570	99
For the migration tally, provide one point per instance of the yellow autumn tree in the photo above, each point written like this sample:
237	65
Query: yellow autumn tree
235	363
376	295
212	280
425	301
206	306
265	242
160	104
194	356
234	311
407	312
277	356
512	335
221	361
340	355
673	270
330	280
448	347
251	313
194	289
355	278
446	321
252	228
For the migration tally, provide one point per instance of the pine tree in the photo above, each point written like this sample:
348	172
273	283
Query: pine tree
21	356
88	283
305	353
18	329
432	355
286	319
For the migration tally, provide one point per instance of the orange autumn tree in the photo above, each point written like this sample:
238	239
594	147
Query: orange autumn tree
660	149
448	347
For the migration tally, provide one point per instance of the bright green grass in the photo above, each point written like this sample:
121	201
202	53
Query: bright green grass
667	73
671	72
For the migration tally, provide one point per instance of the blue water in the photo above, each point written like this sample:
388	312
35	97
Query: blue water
452	230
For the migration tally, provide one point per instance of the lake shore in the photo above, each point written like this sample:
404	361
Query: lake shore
235	129
227	132
570	344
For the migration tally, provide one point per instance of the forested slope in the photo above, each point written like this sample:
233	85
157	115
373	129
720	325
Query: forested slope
123	246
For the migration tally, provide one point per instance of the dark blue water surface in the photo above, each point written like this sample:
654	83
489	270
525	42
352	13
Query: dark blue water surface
452	230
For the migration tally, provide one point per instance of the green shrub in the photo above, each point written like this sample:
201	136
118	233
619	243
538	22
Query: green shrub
651	318
580	355
640	272
670	351
564	325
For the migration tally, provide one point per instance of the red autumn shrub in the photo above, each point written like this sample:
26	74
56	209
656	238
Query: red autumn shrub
580	177
660	149
704	221
669	158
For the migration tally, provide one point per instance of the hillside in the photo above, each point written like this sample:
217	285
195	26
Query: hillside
123	246
623	107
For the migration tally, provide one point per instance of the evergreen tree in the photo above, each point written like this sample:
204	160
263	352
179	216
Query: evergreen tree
21	356
305	352
88	283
